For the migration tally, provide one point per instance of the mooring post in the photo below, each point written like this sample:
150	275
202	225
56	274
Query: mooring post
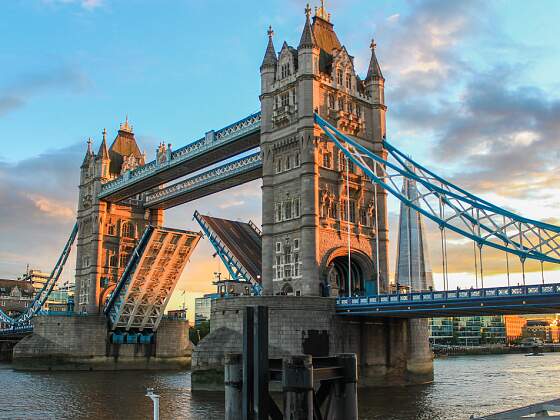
297	384
248	348
347	401
233	382
260	393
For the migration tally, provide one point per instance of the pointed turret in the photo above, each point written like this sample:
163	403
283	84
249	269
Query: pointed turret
103	152
374	70
307	37
89	152
270	59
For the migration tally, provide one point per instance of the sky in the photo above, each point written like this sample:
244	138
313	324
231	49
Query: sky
472	89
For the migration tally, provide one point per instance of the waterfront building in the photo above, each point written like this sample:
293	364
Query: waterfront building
202	308
15	297
542	329
468	331
441	330
493	329
514	327
37	278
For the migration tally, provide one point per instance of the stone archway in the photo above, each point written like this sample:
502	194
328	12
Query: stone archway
334	272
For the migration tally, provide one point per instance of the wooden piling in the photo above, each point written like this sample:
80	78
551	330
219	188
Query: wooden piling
233	383
297	383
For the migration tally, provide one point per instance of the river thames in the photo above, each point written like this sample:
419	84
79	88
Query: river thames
463	386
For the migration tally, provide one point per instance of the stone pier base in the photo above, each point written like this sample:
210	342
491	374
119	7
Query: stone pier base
389	351
81	343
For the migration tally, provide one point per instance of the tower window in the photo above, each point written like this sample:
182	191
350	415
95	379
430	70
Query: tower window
288	210
285	98
358	111
288	163
296	207
279	166
341	104
297	161
296	243
350	107
331	101
349	80
339	76
278	247
127	230
278	212
327	161
111	229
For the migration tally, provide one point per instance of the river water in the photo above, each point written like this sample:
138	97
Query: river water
463	386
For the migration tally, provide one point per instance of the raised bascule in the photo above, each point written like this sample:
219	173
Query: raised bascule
320	263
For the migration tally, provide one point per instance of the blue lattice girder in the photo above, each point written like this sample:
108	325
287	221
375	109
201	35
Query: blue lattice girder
41	297
450	206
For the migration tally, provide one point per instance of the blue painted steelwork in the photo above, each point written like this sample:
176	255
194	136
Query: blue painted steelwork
235	269
450	206
229	170
539	298
17	330
212	141
36	305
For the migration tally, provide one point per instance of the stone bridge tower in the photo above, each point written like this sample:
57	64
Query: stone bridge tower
107	232
306	213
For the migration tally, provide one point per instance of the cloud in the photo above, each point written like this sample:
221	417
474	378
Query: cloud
20	91
51	207
85	4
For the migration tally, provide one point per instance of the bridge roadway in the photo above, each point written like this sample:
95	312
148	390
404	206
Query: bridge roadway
529	299
215	147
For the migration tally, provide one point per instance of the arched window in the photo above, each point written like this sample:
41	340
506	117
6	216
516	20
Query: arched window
127	231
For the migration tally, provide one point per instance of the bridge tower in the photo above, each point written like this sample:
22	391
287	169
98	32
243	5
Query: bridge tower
108	232
309	201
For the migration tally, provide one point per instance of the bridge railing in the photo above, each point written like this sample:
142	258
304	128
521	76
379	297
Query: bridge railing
447	295
211	141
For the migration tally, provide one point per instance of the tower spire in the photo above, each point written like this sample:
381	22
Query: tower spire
103	152
374	70
270	58
89	152
307	37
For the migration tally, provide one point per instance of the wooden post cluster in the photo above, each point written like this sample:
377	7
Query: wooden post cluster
310	385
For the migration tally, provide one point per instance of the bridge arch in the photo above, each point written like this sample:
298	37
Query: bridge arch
334	271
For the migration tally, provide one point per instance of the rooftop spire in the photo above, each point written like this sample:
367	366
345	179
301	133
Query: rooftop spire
270	58
89	151
307	37
125	126
103	152
321	12
374	70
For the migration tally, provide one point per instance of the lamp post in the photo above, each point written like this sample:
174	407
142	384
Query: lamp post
155	399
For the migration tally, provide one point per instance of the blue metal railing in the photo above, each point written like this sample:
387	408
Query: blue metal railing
490	293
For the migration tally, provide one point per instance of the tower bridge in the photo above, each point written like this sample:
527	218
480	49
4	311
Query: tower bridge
320	147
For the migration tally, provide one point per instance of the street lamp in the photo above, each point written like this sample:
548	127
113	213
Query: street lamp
155	399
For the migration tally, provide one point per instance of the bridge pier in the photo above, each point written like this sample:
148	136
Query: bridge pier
389	351
82	343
